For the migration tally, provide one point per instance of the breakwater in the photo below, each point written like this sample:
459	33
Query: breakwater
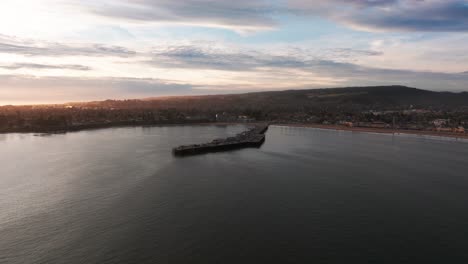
254	137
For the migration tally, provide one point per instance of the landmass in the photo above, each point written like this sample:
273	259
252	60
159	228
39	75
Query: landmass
381	109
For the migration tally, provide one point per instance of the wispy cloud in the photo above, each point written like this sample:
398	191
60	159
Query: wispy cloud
206	57
9	44
241	15
38	66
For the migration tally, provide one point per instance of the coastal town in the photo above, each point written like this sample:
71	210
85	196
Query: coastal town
68	118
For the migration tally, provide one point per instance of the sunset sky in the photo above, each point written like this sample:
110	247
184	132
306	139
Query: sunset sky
54	51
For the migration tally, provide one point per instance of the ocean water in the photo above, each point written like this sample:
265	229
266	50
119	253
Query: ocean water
306	196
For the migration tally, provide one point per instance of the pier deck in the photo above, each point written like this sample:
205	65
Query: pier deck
253	137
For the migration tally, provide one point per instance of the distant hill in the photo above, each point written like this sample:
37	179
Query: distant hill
346	99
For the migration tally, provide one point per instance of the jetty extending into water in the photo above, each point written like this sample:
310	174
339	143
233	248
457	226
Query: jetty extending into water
254	137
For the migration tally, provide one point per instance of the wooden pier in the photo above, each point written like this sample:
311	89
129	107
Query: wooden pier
254	137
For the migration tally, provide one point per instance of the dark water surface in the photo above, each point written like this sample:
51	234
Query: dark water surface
307	196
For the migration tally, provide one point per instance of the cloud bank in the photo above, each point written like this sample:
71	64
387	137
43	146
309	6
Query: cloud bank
24	89
254	15
390	15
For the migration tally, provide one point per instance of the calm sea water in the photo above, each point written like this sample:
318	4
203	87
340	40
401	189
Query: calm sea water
307	196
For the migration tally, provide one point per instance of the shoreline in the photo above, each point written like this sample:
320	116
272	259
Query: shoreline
378	130
319	126
107	126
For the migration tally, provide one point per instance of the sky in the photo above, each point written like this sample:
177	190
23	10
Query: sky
56	51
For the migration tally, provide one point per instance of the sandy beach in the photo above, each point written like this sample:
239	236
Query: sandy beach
379	130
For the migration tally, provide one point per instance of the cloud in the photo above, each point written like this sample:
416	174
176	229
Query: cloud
9	44
350	53
254	15
240	15
197	57
390	15
38	66
296	67
206	57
